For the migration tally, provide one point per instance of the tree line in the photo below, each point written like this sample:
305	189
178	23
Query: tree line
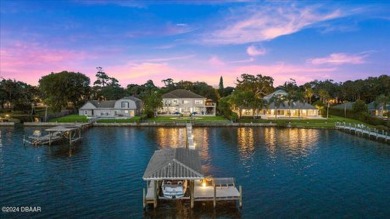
73	89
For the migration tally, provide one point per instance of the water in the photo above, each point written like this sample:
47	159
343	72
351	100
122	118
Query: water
284	173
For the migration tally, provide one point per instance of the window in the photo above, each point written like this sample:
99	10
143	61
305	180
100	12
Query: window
186	102
85	112
198	101
124	104
174	101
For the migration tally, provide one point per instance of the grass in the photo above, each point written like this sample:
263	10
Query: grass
70	119
188	119
305	123
130	120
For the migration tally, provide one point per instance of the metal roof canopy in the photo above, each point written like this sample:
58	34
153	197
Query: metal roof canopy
178	163
63	128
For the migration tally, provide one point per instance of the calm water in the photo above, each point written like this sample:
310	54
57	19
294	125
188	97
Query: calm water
284	173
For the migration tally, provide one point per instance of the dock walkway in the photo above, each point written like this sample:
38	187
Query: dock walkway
364	131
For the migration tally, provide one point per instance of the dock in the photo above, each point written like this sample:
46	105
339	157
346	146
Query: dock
70	133
184	164
364	131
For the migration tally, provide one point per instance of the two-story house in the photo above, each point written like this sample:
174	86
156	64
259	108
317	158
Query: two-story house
185	102
126	107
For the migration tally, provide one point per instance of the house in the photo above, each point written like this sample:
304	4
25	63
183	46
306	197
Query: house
378	110
126	107
283	109
182	101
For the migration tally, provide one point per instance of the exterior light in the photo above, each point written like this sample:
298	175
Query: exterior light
204	183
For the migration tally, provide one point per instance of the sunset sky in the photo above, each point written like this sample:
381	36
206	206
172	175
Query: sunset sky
195	40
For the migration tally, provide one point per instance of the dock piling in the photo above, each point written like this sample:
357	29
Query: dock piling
240	200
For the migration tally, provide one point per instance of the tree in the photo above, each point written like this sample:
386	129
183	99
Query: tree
107	88
220	87
308	94
151	96
17	95
60	89
360	108
102	77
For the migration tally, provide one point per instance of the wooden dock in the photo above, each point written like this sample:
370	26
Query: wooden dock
70	133
364	131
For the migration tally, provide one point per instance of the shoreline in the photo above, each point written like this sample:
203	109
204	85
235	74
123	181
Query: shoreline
159	124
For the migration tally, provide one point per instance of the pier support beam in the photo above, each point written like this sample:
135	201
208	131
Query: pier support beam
155	194
143	198
215	196
240	200
192	187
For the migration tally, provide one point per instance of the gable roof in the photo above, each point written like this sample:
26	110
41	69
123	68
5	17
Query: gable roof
181	93
276	93
178	163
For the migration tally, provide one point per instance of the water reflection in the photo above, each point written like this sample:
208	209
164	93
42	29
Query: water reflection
171	137
246	142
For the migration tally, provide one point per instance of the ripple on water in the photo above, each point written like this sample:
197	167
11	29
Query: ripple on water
284	173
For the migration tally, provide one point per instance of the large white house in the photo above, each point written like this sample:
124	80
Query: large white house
126	107
295	109
182	101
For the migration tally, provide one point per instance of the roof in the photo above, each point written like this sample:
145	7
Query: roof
378	106
103	104
276	93
109	104
178	163
181	93
294	105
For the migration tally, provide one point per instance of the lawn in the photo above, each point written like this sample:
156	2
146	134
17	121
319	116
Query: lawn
130	120
205	119
312	123
70	119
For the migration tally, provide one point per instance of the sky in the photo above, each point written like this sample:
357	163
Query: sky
135	41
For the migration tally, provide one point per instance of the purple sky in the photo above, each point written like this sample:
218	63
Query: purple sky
195	40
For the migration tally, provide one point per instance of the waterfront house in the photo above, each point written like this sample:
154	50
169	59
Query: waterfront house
185	102
283	109
378	110
126	107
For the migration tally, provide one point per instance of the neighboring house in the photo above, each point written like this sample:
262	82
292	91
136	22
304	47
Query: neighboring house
378	110
182	101
296	109
126	107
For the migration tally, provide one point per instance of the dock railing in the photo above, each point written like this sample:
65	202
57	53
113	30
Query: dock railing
363	130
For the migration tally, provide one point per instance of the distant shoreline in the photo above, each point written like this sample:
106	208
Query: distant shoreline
178	124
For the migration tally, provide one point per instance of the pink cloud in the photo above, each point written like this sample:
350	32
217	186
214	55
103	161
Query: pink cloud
29	62
262	23
339	59
253	50
215	61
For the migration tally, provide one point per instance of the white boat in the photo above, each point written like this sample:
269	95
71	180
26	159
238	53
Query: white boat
174	188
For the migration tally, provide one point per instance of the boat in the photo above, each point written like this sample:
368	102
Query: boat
174	188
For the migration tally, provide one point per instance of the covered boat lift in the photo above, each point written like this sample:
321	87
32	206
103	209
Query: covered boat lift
184	164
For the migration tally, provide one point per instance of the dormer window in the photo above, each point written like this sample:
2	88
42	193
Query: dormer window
125	105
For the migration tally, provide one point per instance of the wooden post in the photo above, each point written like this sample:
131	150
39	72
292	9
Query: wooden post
155	194
143	198
49	138
70	137
240	201
192	187
215	196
